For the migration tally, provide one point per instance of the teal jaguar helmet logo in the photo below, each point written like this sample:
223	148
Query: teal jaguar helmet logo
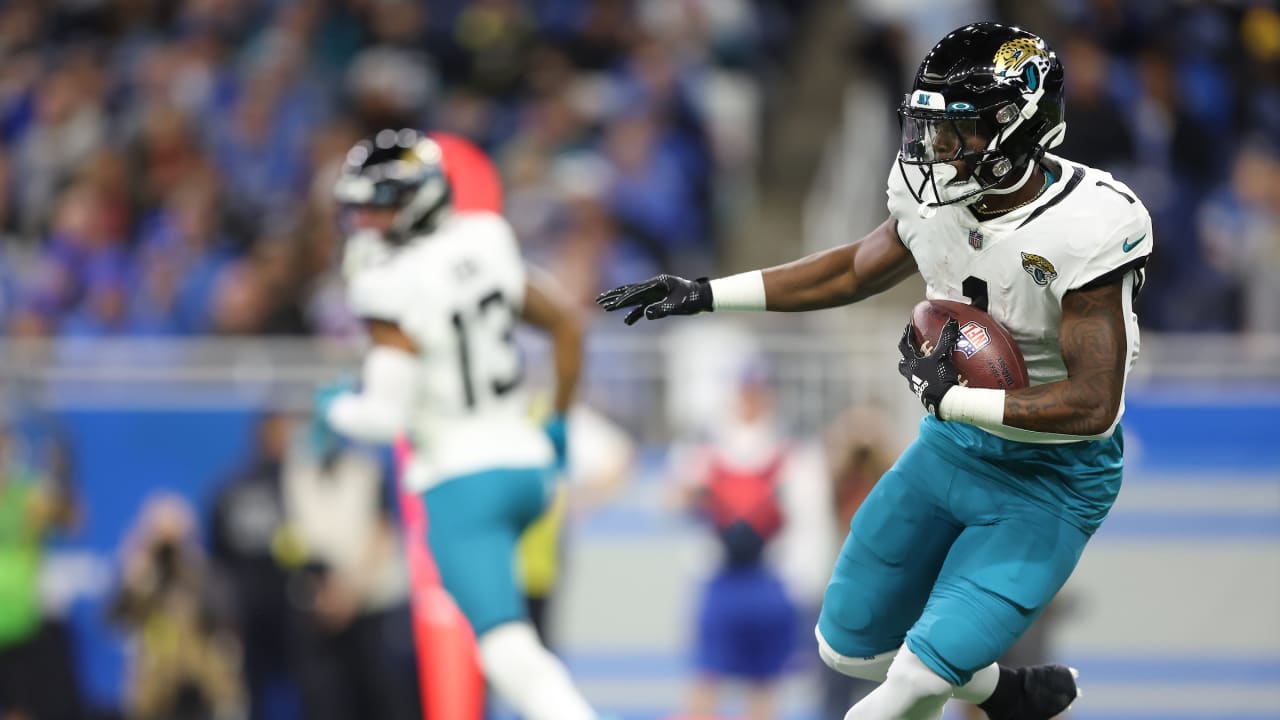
1022	57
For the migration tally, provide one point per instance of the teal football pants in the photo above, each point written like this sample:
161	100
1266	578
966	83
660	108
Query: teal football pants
950	561
473	524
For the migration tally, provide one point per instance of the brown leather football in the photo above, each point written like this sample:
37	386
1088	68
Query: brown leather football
986	355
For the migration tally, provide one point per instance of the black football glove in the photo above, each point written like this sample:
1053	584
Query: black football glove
930	376
659	297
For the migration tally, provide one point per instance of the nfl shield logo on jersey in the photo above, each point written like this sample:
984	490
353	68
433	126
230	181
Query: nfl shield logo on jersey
973	337
975	239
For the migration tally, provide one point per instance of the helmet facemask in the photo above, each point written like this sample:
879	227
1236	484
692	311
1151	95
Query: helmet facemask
965	150
407	176
951	162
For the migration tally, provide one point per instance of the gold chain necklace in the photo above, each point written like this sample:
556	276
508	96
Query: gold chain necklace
980	207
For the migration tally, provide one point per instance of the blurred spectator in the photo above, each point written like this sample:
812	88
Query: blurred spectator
658	144
396	23
389	87
352	591
1240	229
1259	101
37	680
496	37
239	300
181	250
1098	132
260	148
83	261
584	243
254	550
595	34
68	124
277	257
650	194
164	153
747	623
185	659
322	293
15	255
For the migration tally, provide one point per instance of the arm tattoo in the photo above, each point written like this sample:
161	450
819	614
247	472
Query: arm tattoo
1094	348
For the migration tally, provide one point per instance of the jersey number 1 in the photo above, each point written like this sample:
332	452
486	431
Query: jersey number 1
467	327
975	289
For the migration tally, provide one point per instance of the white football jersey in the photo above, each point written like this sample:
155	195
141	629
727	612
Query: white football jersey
1087	226
457	294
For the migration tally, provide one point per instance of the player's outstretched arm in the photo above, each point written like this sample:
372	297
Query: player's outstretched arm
546	307
842	275
380	410
835	277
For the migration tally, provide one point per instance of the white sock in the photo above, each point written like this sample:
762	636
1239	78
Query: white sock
910	692
529	677
981	686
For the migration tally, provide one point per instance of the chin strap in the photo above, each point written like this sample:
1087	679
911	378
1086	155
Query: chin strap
1050	139
1026	175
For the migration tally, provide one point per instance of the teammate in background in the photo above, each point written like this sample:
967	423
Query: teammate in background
440	293
964	542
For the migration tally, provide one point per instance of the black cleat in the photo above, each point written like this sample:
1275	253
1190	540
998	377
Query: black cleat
1039	692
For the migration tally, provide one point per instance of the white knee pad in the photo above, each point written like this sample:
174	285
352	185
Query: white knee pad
529	677
874	668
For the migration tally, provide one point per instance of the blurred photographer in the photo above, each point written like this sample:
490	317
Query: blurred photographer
184	661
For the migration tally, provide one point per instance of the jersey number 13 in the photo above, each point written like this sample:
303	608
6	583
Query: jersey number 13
486	330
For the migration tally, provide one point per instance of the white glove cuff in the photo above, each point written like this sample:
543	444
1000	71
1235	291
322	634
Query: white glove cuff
744	291
976	406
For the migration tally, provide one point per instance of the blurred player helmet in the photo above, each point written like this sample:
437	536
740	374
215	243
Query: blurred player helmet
988	80
401	169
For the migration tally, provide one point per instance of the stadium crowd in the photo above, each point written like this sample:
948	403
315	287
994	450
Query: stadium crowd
164	166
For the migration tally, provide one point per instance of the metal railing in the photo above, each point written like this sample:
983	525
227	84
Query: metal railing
655	383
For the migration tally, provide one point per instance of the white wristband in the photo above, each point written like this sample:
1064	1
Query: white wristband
976	406
744	291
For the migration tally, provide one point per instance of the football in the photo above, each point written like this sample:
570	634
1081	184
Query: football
986	355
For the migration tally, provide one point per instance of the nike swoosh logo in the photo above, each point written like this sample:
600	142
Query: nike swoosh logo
1127	246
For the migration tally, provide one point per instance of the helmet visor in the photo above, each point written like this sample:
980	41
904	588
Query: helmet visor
936	139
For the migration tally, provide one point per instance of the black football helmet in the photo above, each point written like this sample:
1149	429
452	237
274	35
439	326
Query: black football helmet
401	169
983	81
